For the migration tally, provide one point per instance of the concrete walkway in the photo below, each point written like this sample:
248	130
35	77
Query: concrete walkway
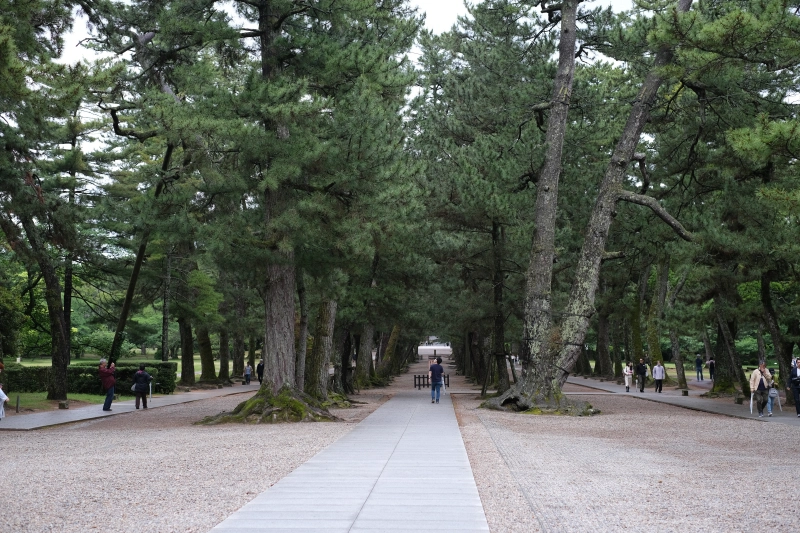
403	468
672	396
22	422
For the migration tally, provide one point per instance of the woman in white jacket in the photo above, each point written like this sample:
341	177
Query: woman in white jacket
628	373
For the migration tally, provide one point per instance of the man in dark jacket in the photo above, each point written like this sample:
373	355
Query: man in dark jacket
641	373
141	385
260	371
108	381
794	384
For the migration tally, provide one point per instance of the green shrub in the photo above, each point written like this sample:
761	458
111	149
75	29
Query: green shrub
82	377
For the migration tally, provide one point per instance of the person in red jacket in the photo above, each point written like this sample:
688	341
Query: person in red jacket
108	381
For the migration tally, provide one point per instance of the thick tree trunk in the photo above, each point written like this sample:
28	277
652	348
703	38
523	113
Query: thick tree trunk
224	355
364	357
674	340
207	370
187	351
537	322
317	362
278	351
549	369
389	356
302	336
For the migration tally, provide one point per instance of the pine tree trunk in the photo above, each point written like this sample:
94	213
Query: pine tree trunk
187	351
280	358
656	309
636	316
207	371
302	336
603	355
317	362
734	366
165	309
771	320
364	356
537	307
251	351
389	355
499	318
224	356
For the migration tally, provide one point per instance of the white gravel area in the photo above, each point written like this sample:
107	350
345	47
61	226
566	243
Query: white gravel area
151	471
637	466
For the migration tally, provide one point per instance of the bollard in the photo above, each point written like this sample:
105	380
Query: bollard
684	392
18	403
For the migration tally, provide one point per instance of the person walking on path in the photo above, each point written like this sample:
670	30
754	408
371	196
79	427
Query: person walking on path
711	364
659	374
141	384
108	381
3	400
248	370
628	373
794	384
760	381
641	374
260	371
436	377
698	366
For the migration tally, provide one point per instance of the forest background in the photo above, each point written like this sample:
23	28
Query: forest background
280	176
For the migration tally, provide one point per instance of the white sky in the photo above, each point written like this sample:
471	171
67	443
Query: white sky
442	14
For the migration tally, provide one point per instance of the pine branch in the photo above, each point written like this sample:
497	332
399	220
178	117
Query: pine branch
662	213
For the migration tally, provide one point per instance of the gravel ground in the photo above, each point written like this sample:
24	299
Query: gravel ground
152	471
637	466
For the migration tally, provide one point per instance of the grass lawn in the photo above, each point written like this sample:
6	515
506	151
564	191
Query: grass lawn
37	401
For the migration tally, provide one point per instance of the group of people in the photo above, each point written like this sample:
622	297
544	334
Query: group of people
108	379
641	372
764	389
248	371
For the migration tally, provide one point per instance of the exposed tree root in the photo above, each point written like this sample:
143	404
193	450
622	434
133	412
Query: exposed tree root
289	405
554	404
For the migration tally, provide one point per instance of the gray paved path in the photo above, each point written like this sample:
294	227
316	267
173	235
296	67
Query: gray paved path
672	396
45	419
403	468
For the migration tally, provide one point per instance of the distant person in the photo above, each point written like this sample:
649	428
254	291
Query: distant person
712	365
141	385
698	366
248	370
108	381
628	373
794	384
3	400
436	377
760	380
658	375
260	371
641	374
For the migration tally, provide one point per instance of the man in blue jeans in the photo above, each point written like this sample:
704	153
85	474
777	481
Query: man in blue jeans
436	376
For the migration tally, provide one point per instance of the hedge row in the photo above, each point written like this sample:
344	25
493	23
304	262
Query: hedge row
82	377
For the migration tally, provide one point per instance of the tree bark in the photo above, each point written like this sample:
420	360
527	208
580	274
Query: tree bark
207	371
737	373
603	355
317	363
165	309
674	340
302	336
537	323
224	355
364	357
187	351
499	319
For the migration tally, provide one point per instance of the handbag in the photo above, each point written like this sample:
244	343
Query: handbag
133	387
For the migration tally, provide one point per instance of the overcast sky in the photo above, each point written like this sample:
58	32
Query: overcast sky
442	14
